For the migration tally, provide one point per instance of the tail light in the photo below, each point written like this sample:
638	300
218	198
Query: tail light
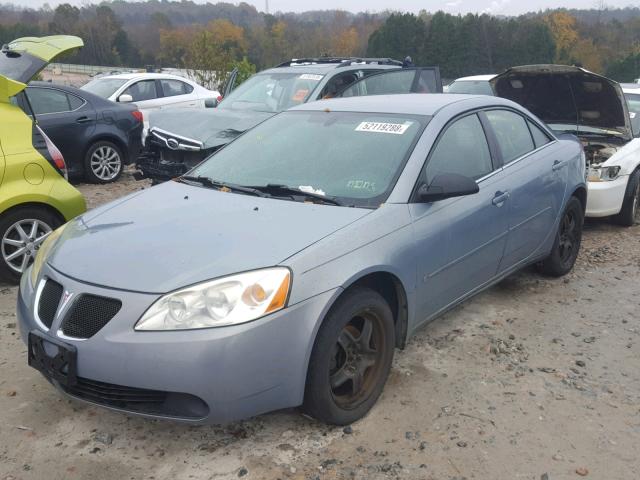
137	114
220	97
56	158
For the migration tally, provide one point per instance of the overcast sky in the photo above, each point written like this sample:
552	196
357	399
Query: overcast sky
498	7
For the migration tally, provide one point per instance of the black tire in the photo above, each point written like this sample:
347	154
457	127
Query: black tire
103	162
630	212
333	363
567	243
8	231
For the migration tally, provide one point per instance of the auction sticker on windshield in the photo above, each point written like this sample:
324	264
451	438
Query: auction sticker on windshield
382	127
310	76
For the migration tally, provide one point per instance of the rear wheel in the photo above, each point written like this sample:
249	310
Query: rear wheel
103	163
567	243
351	358
630	213
22	231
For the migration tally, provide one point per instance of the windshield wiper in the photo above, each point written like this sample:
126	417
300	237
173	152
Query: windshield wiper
211	183
276	190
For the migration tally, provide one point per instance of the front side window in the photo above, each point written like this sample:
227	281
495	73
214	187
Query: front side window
48	100
354	157
338	83
512	134
143	90
272	92
633	101
387	83
462	150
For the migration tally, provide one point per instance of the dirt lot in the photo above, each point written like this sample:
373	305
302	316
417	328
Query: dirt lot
533	379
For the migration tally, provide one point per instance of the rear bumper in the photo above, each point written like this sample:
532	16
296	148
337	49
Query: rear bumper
605	198
213	375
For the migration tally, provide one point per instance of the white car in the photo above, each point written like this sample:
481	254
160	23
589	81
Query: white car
614	184
611	143
151	91
475	85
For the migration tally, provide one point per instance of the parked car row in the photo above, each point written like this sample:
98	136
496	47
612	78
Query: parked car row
284	269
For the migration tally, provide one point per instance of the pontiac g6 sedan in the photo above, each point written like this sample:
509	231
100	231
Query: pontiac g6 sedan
286	268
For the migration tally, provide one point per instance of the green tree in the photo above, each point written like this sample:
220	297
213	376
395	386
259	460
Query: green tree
399	36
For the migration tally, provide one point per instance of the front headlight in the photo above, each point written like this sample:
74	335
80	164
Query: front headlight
603	174
218	303
43	253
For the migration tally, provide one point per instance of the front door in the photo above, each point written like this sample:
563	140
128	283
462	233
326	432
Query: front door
460	241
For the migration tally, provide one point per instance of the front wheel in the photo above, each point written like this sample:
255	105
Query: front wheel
630	212
351	358
103	163
567	243
22	231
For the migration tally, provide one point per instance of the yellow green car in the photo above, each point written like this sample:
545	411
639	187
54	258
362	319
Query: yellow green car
35	197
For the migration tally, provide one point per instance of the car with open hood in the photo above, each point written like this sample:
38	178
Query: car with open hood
35	197
179	140
286	268
594	108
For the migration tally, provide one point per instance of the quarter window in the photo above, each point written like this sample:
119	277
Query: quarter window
143	90
462	150
539	137
512	134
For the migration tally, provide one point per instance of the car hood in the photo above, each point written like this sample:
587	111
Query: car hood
22	59
208	128
174	235
567	95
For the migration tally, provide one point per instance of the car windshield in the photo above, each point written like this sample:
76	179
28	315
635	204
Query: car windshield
354	158
272	92
471	87
104	87
633	99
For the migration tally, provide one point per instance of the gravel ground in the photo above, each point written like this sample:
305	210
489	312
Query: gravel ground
533	379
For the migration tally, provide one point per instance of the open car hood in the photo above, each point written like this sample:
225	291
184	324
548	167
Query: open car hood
22	59
211	127
567	96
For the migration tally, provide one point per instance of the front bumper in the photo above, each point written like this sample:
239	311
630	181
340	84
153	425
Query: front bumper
605	198
235	372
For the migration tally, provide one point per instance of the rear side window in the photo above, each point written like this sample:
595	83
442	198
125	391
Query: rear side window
512	134
143	90
48	100
462	149
171	88
539	137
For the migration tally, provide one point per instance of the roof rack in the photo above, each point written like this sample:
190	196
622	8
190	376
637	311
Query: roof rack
342	61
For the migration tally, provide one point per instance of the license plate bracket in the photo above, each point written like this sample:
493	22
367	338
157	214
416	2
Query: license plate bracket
61	366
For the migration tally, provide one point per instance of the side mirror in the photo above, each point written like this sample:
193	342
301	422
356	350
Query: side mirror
125	98
447	185
211	103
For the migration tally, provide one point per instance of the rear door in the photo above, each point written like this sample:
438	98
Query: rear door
402	80
538	173
68	120
176	93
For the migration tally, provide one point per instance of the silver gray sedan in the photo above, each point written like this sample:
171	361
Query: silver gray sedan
285	269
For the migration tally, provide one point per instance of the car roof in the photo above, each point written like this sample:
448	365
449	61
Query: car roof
132	76
324	68
630	87
476	78
427	104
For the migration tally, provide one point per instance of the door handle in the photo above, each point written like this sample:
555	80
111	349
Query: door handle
500	198
557	165
83	119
